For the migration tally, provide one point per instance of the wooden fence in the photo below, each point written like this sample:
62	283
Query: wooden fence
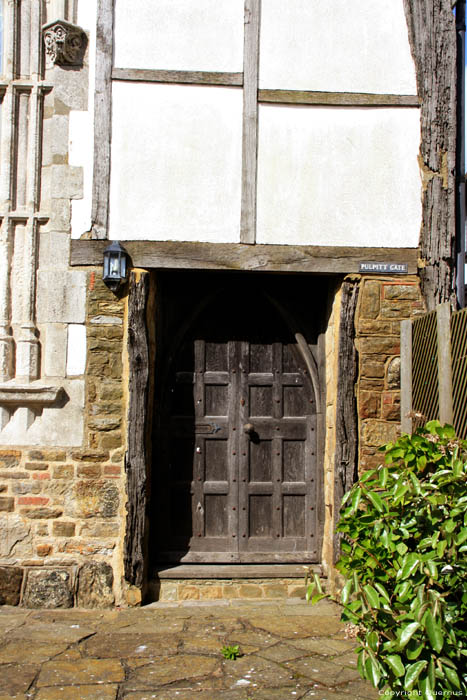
434	369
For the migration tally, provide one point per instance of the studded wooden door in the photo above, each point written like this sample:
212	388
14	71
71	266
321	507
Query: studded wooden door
239	464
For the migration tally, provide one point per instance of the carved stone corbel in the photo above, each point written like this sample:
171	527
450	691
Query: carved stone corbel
65	43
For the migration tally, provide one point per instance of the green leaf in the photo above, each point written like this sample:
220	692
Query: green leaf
411	563
376	500
372	671
427	689
435	634
412	673
407	633
317	598
372	596
397	667
452	676
346	591
414	649
356	499
402	548
383	476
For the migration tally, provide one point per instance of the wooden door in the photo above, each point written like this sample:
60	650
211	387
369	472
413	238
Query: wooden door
237	477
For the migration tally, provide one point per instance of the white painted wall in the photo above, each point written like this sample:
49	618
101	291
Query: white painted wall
330	176
176	162
336	45
81	128
204	35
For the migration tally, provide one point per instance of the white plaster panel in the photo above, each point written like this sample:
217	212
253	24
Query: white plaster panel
336	45
61	296
345	177
54	349
81	129
61	426
76	350
176	163
204	35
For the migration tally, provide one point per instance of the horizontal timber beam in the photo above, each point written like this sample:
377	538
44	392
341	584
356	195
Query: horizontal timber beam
177	76
237	256
337	99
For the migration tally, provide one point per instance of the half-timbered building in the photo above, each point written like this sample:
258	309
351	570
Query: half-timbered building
278	175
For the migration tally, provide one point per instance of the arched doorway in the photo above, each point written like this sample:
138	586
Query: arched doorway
236	476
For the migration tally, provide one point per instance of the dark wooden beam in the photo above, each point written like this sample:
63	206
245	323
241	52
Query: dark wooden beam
238	256
176	76
337	99
135	558
432	34
345	472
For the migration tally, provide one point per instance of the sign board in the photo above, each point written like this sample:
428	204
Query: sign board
384	268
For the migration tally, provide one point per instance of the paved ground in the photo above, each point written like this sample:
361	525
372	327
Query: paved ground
172	651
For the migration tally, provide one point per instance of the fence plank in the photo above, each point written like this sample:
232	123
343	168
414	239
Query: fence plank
443	322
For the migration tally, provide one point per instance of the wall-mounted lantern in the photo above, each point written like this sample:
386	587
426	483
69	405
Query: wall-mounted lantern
115	269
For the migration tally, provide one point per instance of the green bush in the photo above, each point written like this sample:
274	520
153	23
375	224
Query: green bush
403	556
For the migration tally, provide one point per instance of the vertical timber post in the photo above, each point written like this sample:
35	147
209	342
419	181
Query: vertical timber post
406	376
136	456
443	323
346	467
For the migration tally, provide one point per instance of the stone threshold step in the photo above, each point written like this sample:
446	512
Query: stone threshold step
229	583
234	571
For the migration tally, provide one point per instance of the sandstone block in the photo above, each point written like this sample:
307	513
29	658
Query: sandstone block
47	455
63	471
9	458
25	487
36	466
90	456
395	309
93	499
7	503
379	346
14	475
369	404
61	528
111	391
370	301
11	578
43	550
95	585
391	406
111	440
409	292
48	588
100	529
377	433
89	471
365	327
16	540
371	368
41	513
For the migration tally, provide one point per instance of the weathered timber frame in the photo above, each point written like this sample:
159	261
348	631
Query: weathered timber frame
136	458
432	34
346	403
247	80
236	256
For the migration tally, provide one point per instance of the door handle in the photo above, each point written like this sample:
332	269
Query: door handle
249	428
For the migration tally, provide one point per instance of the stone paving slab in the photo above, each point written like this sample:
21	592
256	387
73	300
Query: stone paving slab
172	651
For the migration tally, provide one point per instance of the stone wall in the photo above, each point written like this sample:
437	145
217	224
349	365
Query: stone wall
62	510
384	303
